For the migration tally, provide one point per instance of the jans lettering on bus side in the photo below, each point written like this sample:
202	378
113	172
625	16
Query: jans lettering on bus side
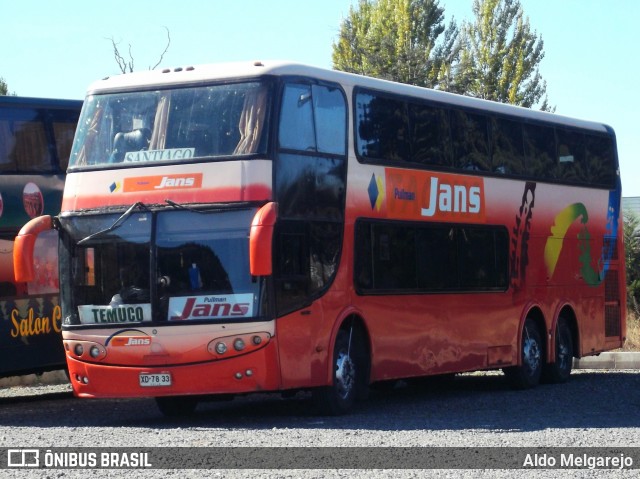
416	195
33	325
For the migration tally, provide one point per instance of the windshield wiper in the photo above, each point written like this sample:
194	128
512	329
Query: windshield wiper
208	208
116	223
183	207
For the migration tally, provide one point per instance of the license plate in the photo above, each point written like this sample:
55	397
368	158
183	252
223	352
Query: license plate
155	379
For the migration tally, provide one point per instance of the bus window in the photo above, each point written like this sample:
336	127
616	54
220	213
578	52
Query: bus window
313	118
431	135
402	258
24	143
507	147
296	122
540	151
172	125
600	159
571	164
470	141
383	128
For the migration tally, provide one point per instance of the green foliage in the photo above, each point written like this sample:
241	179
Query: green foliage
631	230
496	57
501	55
400	40
4	89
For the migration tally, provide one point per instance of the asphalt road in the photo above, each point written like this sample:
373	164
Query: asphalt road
596	408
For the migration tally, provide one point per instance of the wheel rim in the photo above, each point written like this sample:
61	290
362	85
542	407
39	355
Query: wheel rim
345	375
531	355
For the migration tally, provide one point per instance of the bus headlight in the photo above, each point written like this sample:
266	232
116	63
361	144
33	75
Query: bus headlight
77	349
236	345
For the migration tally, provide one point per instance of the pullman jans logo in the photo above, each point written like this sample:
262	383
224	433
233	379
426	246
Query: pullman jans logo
433	196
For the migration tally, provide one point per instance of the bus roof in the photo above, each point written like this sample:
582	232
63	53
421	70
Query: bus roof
33	102
221	71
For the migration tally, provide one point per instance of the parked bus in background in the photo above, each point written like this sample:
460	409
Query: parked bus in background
235	228
36	136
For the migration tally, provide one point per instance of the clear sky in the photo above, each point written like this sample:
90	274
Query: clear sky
57	48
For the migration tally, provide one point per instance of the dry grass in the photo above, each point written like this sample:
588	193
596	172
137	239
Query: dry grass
633	334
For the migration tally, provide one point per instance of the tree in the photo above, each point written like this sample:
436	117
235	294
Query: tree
500	56
399	40
4	88
127	66
631	231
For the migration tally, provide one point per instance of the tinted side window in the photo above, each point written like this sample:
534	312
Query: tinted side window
437	271
330	119
297	129
430	135
600	159
313	118
470	141
393	128
382	128
539	150
394	257
291	271
309	186
507	147
24	145
571	165
482	258
63	133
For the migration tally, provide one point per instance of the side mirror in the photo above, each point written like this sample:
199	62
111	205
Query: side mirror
261	240
24	246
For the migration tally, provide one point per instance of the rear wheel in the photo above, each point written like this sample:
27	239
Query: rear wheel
350	375
560	370
527	375
175	406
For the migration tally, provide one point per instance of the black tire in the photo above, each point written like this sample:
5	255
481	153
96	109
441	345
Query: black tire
176	406
527	374
350	376
560	370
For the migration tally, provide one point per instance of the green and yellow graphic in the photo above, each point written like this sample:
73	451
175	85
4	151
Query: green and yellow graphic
554	244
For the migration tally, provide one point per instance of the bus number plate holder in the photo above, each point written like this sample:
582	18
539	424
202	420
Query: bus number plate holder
155	379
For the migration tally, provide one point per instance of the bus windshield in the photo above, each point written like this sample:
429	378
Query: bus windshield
172	125
176	265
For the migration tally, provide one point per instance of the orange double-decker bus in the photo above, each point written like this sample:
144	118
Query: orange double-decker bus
234	228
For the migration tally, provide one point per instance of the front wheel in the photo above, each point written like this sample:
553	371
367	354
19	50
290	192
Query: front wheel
527	375
350	376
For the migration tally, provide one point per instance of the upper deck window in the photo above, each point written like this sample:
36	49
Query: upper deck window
414	132
172	125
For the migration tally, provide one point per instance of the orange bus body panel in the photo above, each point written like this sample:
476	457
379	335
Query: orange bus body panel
228	376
